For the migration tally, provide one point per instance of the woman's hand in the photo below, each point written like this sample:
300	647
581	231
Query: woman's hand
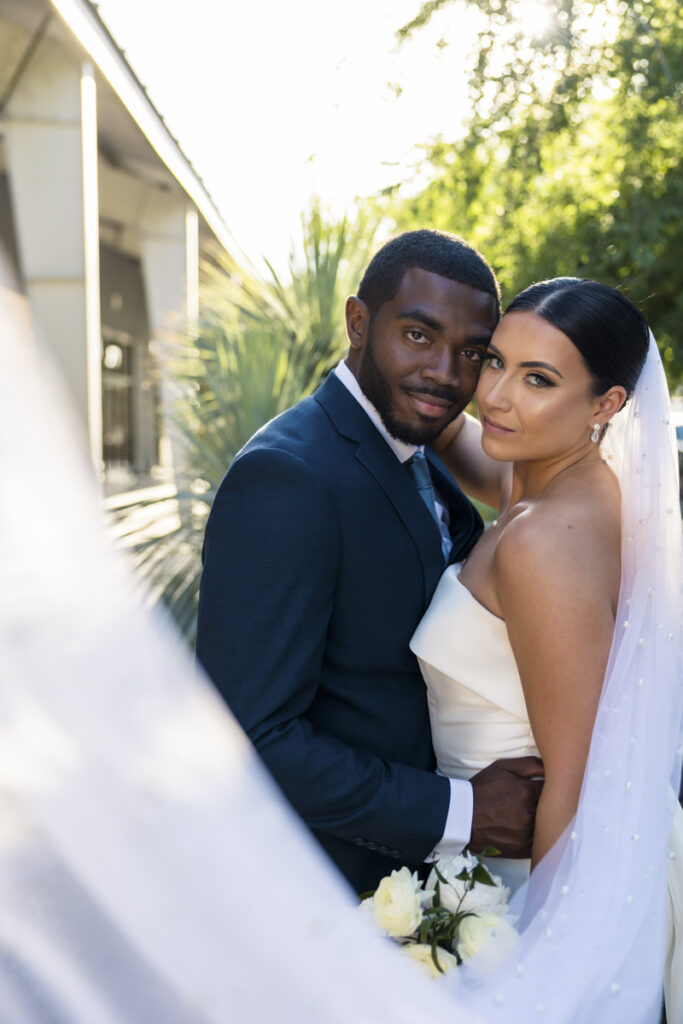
459	446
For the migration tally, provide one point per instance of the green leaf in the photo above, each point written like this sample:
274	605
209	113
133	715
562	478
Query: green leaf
439	875
435	958
481	874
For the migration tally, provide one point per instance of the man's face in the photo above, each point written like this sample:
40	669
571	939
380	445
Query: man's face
419	360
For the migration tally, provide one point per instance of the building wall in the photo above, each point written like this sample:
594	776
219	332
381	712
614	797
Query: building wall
130	385
99	234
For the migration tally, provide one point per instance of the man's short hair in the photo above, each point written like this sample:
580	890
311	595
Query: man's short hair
434	251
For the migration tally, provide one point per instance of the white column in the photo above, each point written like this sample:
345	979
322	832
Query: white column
192	268
163	250
170	277
91	252
51	145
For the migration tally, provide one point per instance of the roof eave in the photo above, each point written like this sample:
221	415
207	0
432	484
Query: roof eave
84	22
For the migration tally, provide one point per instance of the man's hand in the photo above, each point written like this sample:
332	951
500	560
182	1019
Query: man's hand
505	798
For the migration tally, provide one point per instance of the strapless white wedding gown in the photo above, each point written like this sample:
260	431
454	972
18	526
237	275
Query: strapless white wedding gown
478	714
476	702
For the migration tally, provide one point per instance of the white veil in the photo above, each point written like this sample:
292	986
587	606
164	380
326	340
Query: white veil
150	872
149	869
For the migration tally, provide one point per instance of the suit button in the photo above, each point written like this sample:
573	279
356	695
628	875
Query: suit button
358	841
383	849
395	853
371	846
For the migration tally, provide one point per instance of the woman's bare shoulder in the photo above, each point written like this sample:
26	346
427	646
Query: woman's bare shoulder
572	534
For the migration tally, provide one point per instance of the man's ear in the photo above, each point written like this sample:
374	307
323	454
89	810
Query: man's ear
357	320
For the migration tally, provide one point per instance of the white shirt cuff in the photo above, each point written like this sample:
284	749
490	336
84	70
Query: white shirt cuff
458	827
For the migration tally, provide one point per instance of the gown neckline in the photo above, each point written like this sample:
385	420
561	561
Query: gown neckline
458	566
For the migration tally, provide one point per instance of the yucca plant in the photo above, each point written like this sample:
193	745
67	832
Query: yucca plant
262	344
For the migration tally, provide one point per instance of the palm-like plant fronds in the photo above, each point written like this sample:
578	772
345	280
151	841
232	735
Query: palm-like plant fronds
262	344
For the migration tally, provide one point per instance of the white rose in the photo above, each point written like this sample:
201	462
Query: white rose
488	938
396	904
453	895
421	953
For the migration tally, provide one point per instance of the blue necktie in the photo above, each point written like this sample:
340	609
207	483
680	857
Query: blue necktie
419	469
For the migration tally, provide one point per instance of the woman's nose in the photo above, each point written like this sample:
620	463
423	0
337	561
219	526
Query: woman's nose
495	393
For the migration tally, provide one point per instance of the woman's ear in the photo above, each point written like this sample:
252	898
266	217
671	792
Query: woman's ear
609	404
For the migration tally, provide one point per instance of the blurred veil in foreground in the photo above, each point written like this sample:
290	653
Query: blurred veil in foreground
149	869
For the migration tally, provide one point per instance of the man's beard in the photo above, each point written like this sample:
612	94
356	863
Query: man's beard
375	387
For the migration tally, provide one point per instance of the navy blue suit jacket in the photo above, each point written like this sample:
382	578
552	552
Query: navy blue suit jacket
320	559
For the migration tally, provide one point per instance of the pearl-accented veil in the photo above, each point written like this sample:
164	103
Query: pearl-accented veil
149	869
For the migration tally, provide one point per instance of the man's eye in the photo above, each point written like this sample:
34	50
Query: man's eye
417	336
474	354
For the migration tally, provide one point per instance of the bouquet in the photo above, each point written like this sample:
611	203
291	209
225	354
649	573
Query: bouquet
461	915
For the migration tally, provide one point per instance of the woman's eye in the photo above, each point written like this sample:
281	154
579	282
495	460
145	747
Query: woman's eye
493	362
538	380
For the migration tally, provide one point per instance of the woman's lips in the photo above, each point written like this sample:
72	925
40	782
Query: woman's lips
494	428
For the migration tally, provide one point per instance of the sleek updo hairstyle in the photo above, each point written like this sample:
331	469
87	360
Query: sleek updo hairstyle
434	251
608	330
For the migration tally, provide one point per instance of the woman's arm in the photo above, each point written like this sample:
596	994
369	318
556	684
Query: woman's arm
555	578
459	446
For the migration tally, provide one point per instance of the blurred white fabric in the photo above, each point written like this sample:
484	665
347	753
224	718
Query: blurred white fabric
149	869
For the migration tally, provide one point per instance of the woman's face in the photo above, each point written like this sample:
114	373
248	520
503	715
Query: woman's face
535	394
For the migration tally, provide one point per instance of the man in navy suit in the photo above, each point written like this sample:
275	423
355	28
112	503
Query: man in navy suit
320	559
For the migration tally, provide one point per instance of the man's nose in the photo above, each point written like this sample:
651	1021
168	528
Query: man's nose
441	366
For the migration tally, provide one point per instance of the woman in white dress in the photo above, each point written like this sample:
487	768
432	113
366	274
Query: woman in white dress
516	644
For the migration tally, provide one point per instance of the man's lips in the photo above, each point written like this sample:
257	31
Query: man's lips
429	405
494	428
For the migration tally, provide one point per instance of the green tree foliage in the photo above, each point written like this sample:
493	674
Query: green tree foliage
570	163
263	342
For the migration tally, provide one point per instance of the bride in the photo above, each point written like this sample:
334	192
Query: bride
535	605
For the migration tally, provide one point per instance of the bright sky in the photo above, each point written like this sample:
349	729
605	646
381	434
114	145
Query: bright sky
273	102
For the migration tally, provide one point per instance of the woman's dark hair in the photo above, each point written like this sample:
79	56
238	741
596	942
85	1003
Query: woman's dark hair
434	251
608	330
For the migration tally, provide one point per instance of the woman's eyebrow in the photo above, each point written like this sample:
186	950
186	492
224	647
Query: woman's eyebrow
545	366
530	364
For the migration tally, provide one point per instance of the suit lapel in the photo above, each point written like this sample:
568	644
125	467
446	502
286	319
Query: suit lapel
374	454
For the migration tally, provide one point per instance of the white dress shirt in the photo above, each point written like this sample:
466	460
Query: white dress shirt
458	826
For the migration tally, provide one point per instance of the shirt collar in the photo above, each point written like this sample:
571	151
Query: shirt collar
401	449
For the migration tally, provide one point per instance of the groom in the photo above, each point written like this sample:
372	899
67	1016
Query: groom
321	554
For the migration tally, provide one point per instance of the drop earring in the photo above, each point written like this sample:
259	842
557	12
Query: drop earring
595	434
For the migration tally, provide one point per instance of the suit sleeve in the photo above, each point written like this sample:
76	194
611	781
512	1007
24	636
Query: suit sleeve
271	557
